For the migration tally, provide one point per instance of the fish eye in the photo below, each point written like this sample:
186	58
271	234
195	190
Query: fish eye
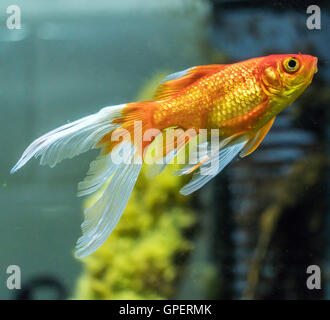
291	64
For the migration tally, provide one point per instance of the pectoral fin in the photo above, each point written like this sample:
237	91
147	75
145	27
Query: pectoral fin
255	140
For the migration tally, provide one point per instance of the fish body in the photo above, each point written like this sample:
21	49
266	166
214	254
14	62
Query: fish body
221	94
237	101
225	96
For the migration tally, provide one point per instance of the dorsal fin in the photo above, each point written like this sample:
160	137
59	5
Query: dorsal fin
175	82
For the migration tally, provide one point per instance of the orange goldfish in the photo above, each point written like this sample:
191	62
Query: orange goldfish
237	101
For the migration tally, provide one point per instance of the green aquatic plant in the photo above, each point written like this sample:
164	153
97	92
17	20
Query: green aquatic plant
143	257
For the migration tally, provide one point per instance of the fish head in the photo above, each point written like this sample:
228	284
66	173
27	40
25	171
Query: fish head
286	76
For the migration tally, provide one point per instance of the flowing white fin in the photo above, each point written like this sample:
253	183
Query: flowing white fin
100	170
120	166
102	217
155	168
176	139
71	139
212	164
201	155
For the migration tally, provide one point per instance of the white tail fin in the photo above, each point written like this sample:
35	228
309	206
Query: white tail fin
77	137
102	217
71	139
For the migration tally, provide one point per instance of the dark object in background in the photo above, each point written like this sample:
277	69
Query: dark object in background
272	217
30	289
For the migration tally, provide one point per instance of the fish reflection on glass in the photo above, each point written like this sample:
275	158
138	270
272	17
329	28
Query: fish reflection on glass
240	101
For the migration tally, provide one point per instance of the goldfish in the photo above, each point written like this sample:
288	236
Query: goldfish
238	102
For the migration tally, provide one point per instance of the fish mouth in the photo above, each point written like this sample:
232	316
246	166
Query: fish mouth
314	65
